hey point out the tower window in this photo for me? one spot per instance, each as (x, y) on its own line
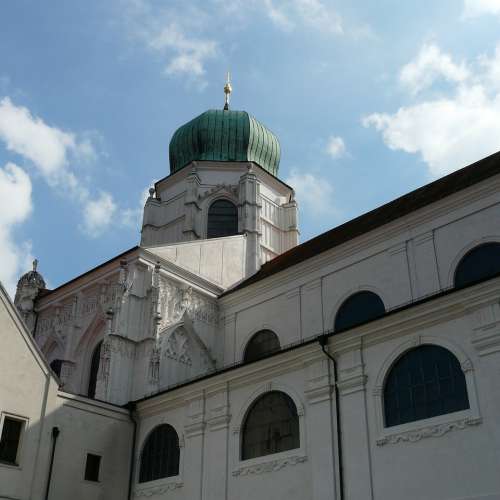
(357, 309)
(94, 370)
(480, 263)
(425, 382)
(92, 467)
(222, 219)
(271, 426)
(9, 441)
(261, 344)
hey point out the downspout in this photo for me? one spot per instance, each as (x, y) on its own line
(55, 434)
(323, 341)
(131, 407)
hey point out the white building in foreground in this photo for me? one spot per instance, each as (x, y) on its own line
(220, 360)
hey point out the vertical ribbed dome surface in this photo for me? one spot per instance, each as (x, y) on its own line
(224, 135)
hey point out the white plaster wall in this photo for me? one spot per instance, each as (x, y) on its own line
(90, 427)
(435, 458)
(25, 383)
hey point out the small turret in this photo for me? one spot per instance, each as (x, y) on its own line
(28, 288)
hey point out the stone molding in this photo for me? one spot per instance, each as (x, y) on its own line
(437, 430)
(158, 490)
(271, 466)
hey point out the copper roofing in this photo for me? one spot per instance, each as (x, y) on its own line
(224, 135)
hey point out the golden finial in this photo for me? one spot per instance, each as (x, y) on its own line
(227, 91)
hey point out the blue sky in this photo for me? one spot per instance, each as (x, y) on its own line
(369, 100)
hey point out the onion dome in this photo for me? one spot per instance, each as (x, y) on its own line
(32, 278)
(224, 135)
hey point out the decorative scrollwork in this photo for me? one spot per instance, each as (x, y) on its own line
(271, 466)
(437, 430)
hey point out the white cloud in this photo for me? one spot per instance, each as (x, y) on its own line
(314, 194)
(15, 208)
(188, 53)
(315, 14)
(98, 214)
(335, 147)
(474, 8)
(430, 65)
(29, 136)
(450, 131)
(51, 152)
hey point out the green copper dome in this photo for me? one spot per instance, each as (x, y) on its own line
(224, 135)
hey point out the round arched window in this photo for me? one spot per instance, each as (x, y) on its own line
(260, 345)
(481, 263)
(271, 426)
(358, 308)
(160, 454)
(222, 219)
(425, 382)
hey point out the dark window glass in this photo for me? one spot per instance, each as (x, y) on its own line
(56, 366)
(94, 370)
(425, 382)
(271, 426)
(160, 455)
(9, 441)
(92, 467)
(222, 219)
(479, 264)
(359, 308)
(261, 344)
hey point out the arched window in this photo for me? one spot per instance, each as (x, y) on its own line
(94, 369)
(222, 219)
(479, 264)
(359, 308)
(271, 426)
(160, 454)
(260, 345)
(425, 382)
(55, 365)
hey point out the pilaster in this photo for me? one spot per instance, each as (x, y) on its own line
(319, 392)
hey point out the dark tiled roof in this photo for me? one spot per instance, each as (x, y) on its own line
(420, 198)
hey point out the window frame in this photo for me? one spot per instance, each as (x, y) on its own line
(348, 296)
(99, 475)
(433, 426)
(298, 455)
(464, 256)
(209, 204)
(251, 337)
(172, 482)
(19, 455)
(90, 358)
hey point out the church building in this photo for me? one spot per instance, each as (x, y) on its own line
(219, 359)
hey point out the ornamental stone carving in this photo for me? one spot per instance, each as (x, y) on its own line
(158, 490)
(271, 466)
(175, 301)
(437, 430)
(177, 347)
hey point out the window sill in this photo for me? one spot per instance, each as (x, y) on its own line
(412, 432)
(270, 463)
(10, 465)
(158, 486)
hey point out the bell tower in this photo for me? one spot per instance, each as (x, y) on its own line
(223, 182)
